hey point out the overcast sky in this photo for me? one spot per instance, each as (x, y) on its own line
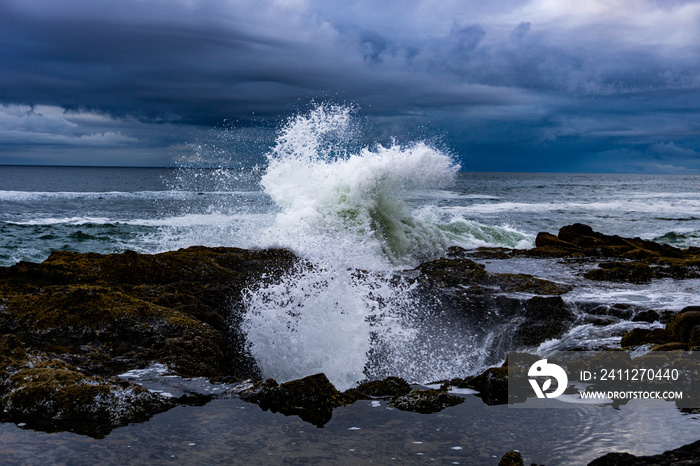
(508, 85)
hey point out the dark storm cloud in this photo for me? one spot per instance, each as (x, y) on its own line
(522, 84)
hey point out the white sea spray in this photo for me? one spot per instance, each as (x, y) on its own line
(345, 210)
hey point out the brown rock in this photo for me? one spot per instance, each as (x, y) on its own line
(512, 458)
(633, 272)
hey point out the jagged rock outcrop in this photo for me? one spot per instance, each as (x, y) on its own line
(682, 331)
(73, 322)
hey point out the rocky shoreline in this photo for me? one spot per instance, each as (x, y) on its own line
(70, 325)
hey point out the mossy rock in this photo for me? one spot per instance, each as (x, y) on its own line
(681, 326)
(13, 354)
(643, 336)
(54, 396)
(632, 272)
(312, 398)
(512, 458)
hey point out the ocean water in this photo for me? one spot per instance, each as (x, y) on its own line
(382, 209)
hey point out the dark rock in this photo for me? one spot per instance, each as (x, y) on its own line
(312, 398)
(391, 387)
(76, 320)
(618, 310)
(675, 346)
(512, 458)
(13, 354)
(130, 309)
(426, 401)
(581, 241)
(643, 336)
(633, 272)
(685, 455)
(54, 396)
(649, 316)
(454, 272)
(523, 283)
(492, 385)
(600, 321)
(681, 327)
(544, 319)
(465, 272)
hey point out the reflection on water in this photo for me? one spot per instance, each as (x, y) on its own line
(232, 431)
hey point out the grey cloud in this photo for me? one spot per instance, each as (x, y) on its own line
(497, 76)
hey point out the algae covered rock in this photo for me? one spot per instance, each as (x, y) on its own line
(682, 331)
(633, 272)
(312, 398)
(54, 396)
(110, 313)
(69, 325)
(461, 272)
(632, 260)
(512, 458)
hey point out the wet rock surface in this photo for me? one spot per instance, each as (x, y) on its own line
(512, 458)
(53, 396)
(426, 401)
(312, 398)
(69, 325)
(682, 332)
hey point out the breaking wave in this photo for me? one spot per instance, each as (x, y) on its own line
(345, 210)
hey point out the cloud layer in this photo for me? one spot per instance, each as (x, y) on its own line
(513, 84)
